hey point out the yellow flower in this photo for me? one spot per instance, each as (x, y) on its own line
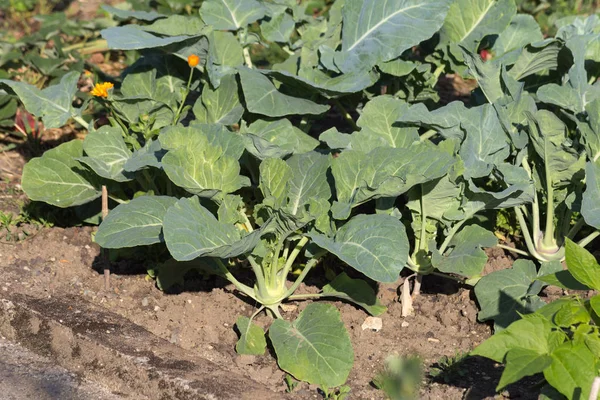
(193, 60)
(101, 89)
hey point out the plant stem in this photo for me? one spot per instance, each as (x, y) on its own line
(576, 228)
(301, 277)
(307, 296)
(459, 280)
(428, 135)
(290, 261)
(105, 258)
(549, 228)
(247, 58)
(521, 252)
(81, 121)
(530, 245)
(260, 276)
(346, 114)
(451, 234)
(535, 207)
(247, 290)
(417, 285)
(587, 240)
(412, 265)
(423, 236)
(247, 222)
(187, 91)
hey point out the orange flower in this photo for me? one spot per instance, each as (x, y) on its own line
(193, 60)
(101, 89)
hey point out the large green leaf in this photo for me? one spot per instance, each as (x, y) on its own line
(225, 54)
(522, 30)
(221, 105)
(127, 14)
(231, 15)
(198, 166)
(275, 175)
(309, 180)
(53, 104)
(375, 31)
(315, 348)
(469, 21)
(375, 245)
(378, 120)
(107, 153)
(572, 371)
(191, 231)
(130, 37)
(503, 294)
(530, 333)
(355, 290)
(590, 207)
(279, 138)
(252, 338)
(536, 58)
(262, 97)
(59, 179)
(176, 25)
(279, 28)
(582, 265)
(466, 256)
(521, 363)
(137, 223)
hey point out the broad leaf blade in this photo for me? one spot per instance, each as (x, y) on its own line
(252, 338)
(356, 291)
(521, 363)
(107, 153)
(375, 245)
(582, 265)
(590, 207)
(315, 348)
(231, 15)
(137, 223)
(59, 179)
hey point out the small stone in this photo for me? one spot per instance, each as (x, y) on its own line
(145, 302)
(404, 324)
(189, 301)
(52, 259)
(373, 323)
(289, 307)
(4, 288)
(433, 340)
(226, 325)
(156, 308)
(107, 331)
(26, 268)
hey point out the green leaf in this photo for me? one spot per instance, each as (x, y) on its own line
(378, 119)
(128, 14)
(176, 25)
(375, 31)
(469, 21)
(582, 265)
(595, 304)
(274, 177)
(57, 177)
(563, 279)
(522, 30)
(466, 257)
(173, 272)
(375, 245)
(276, 139)
(221, 105)
(529, 333)
(198, 166)
(572, 371)
(53, 104)
(225, 54)
(130, 37)
(503, 294)
(231, 15)
(191, 231)
(536, 58)
(356, 291)
(590, 207)
(521, 363)
(252, 338)
(137, 223)
(107, 153)
(309, 180)
(263, 98)
(279, 28)
(315, 348)
(148, 156)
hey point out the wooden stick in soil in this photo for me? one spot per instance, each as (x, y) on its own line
(406, 299)
(104, 253)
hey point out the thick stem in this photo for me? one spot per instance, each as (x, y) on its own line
(247, 290)
(428, 135)
(81, 121)
(247, 58)
(105, 258)
(423, 237)
(517, 251)
(417, 285)
(535, 207)
(346, 114)
(290, 260)
(307, 296)
(459, 280)
(300, 279)
(588, 239)
(576, 228)
(259, 273)
(530, 244)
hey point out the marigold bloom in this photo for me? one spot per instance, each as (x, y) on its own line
(101, 89)
(193, 60)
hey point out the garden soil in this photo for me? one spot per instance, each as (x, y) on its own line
(200, 316)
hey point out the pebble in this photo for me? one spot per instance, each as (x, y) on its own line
(404, 324)
(289, 307)
(373, 323)
(156, 308)
(52, 259)
(145, 302)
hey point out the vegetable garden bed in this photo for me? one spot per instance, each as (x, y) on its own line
(257, 156)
